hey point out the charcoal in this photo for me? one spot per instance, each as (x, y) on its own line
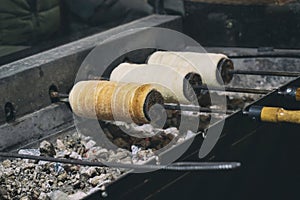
(47, 149)
(62, 177)
(89, 172)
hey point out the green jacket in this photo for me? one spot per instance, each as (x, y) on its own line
(25, 22)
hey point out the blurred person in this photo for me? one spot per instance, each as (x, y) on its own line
(27, 23)
(84, 13)
(103, 12)
(24, 22)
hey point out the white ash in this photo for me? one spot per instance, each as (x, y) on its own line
(90, 144)
(188, 135)
(33, 152)
(145, 130)
(140, 156)
(174, 131)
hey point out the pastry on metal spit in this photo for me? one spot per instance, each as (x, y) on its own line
(213, 68)
(107, 100)
(174, 83)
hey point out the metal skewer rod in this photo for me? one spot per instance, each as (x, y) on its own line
(180, 166)
(232, 89)
(265, 73)
(225, 88)
(192, 108)
(54, 94)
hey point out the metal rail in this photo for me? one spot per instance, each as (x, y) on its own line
(198, 89)
(193, 108)
(64, 98)
(265, 73)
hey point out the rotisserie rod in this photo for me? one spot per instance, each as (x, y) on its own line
(260, 113)
(292, 92)
(168, 106)
(264, 73)
(180, 166)
(198, 89)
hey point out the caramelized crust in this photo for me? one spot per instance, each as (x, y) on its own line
(107, 100)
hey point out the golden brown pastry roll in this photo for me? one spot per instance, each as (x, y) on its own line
(210, 66)
(107, 100)
(174, 83)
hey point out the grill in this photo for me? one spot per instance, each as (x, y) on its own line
(268, 151)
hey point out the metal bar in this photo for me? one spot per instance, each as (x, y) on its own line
(265, 73)
(196, 109)
(54, 94)
(182, 166)
(198, 89)
(193, 108)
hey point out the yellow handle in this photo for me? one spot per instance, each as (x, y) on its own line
(274, 114)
